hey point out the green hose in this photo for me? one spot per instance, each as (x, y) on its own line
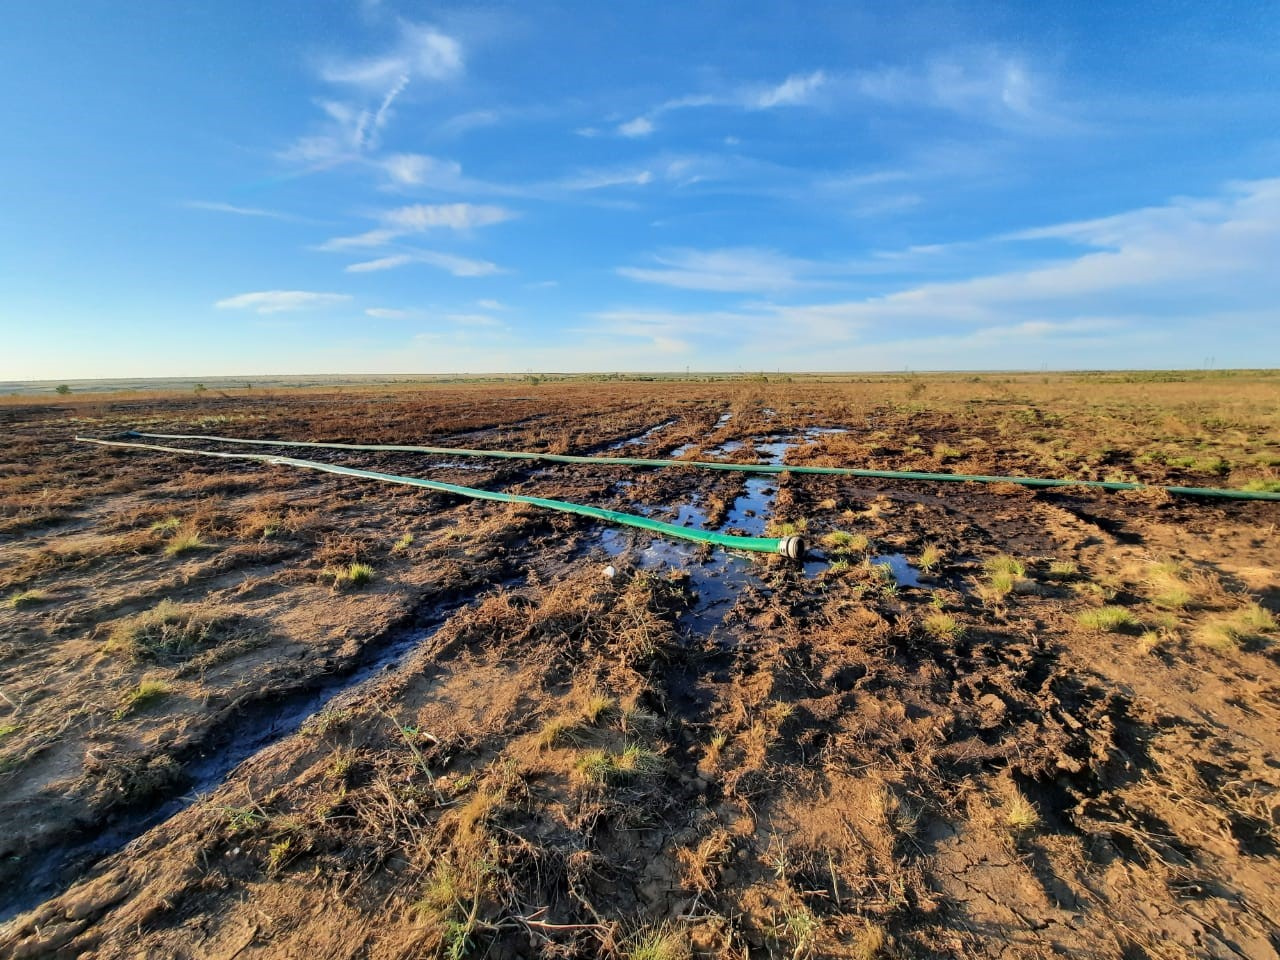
(738, 467)
(792, 547)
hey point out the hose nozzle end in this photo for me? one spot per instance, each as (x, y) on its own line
(793, 548)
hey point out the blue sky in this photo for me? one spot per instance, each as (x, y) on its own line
(363, 187)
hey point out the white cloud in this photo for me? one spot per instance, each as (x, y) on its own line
(239, 211)
(416, 169)
(453, 216)
(639, 127)
(281, 301)
(382, 263)
(420, 51)
(371, 86)
(388, 313)
(458, 266)
(739, 270)
(419, 218)
(603, 178)
(796, 89)
(368, 239)
(985, 85)
(490, 305)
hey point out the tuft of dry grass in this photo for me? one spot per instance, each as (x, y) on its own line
(1110, 619)
(1250, 624)
(183, 543)
(929, 558)
(1020, 814)
(661, 943)
(942, 626)
(145, 694)
(166, 630)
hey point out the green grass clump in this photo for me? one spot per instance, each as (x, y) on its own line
(404, 543)
(1108, 619)
(1005, 565)
(556, 732)
(183, 543)
(945, 453)
(1250, 624)
(1063, 570)
(788, 528)
(355, 575)
(9, 729)
(1173, 598)
(25, 599)
(1262, 486)
(841, 543)
(660, 944)
(146, 693)
(166, 630)
(635, 762)
(943, 626)
(1003, 573)
(929, 558)
(167, 525)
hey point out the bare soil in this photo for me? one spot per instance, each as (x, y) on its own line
(989, 721)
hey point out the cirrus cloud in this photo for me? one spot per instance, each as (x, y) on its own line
(281, 301)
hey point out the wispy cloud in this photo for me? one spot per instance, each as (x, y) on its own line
(596, 180)
(986, 85)
(216, 207)
(1131, 271)
(382, 263)
(388, 313)
(639, 127)
(420, 218)
(453, 216)
(281, 301)
(369, 87)
(795, 90)
(420, 50)
(458, 266)
(735, 270)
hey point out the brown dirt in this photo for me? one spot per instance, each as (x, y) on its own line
(556, 763)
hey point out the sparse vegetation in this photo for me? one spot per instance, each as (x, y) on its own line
(167, 630)
(353, 575)
(183, 543)
(929, 558)
(1020, 814)
(1250, 624)
(942, 626)
(1110, 619)
(664, 943)
(842, 544)
(26, 598)
(145, 694)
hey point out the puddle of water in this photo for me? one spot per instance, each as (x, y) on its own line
(905, 574)
(681, 450)
(641, 438)
(724, 418)
(715, 582)
(769, 412)
(750, 511)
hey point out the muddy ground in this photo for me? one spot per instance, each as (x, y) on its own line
(251, 711)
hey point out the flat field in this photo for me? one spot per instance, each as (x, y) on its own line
(253, 711)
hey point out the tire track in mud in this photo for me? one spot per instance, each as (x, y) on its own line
(240, 730)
